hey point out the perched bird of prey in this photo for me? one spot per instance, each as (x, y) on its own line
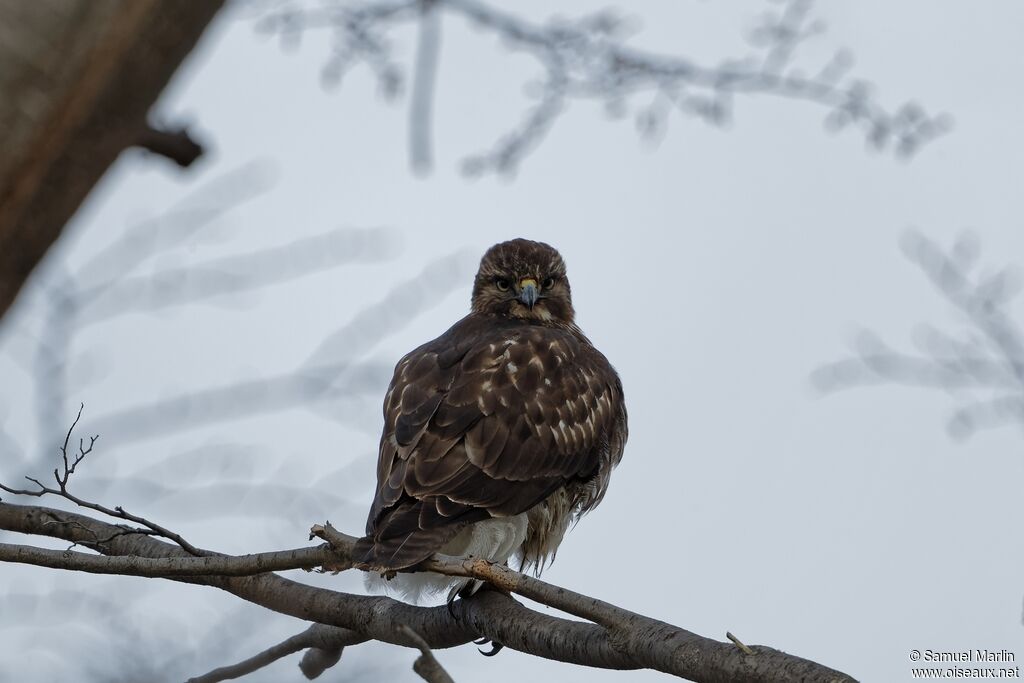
(499, 433)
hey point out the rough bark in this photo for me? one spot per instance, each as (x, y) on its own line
(78, 78)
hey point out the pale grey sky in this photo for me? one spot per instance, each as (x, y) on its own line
(715, 270)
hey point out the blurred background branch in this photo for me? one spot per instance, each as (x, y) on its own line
(980, 365)
(428, 49)
(588, 59)
(66, 115)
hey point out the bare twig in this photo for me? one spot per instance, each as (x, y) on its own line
(739, 643)
(117, 512)
(426, 665)
(62, 479)
(63, 492)
(341, 542)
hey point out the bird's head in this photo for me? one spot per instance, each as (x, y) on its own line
(523, 279)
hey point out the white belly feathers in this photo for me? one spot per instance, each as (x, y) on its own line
(495, 539)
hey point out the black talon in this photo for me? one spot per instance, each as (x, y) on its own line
(495, 649)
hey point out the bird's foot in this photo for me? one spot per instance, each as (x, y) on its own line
(496, 647)
(465, 593)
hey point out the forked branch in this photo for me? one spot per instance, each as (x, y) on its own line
(588, 58)
(63, 476)
(618, 640)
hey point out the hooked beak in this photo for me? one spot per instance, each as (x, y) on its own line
(528, 291)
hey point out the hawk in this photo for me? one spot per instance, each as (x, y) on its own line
(498, 434)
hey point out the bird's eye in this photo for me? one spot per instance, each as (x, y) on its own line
(502, 284)
(548, 283)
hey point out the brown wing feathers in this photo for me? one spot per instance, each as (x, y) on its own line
(487, 420)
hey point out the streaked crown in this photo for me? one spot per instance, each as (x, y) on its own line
(523, 279)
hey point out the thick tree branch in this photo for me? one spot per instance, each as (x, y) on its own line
(168, 567)
(632, 642)
(114, 59)
(317, 638)
(426, 665)
(320, 659)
